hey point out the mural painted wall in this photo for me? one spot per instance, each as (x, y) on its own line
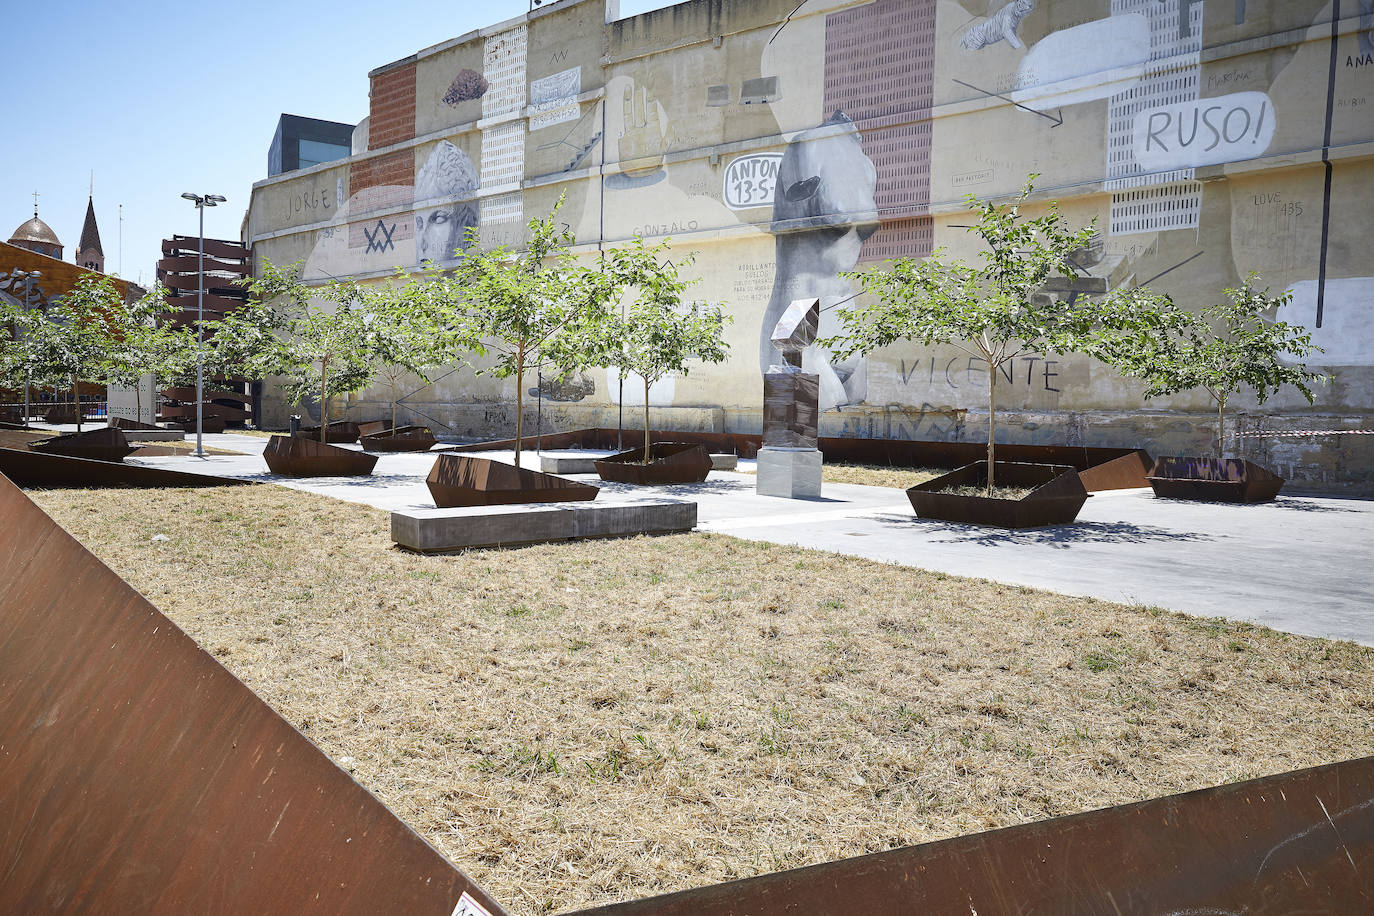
(783, 143)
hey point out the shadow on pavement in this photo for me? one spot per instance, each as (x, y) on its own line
(1060, 536)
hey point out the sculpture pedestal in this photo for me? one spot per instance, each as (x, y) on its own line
(792, 473)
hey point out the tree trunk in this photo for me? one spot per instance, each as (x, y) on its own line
(992, 420)
(393, 411)
(519, 401)
(647, 453)
(1221, 428)
(76, 401)
(324, 402)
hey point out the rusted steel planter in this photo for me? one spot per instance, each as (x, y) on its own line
(372, 427)
(104, 444)
(672, 462)
(1229, 480)
(295, 456)
(341, 431)
(400, 439)
(61, 413)
(208, 423)
(1056, 500)
(127, 424)
(457, 480)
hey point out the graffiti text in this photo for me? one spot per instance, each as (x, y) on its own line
(1034, 372)
(749, 181)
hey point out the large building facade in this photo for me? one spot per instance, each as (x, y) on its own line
(783, 144)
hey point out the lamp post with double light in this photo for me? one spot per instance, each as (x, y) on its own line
(201, 201)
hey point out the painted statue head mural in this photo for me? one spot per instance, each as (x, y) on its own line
(441, 232)
(823, 210)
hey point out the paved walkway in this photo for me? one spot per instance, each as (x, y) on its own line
(1300, 564)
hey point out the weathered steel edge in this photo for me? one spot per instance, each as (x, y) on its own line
(1301, 841)
(137, 774)
(36, 469)
(1119, 467)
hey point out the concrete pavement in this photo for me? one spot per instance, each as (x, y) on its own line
(1300, 564)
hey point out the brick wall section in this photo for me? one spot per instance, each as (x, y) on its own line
(393, 107)
(396, 168)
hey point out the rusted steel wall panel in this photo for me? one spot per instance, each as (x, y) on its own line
(35, 469)
(1299, 842)
(137, 775)
(189, 245)
(1127, 470)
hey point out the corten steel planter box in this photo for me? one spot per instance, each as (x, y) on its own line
(672, 462)
(104, 444)
(62, 413)
(400, 439)
(1056, 500)
(127, 424)
(457, 480)
(372, 428)
(340, 431)
(1229, 480)
(294, 456)
(208, 423)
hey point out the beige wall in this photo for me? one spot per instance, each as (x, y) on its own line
(876, 119)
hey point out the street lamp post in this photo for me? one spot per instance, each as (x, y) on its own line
(201, 201)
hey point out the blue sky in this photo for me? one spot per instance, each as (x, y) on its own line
(160, 97)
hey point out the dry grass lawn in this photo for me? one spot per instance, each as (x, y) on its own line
(581, 723)
(875, 475)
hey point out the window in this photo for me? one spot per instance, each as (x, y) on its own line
(313, 152)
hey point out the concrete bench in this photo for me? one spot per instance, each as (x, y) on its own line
(435, 530)
(568, 464)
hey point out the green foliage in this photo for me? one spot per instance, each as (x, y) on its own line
(994, 310)
(141, 340)
(416, 329)
(530, 306)
(657, 333)
(327, 340)
(70, 341)
(1223, 349)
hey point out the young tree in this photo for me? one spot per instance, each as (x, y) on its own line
(31, 349)
(141, 340)
(414, 329)
(658, 333)
(527, 304)
(989, 310)
(69, 341)
(326, 348)
(1222, 349)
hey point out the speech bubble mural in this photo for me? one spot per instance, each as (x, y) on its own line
(1204, 132)
(1095, 60)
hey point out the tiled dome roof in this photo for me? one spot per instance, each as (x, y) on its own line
(35, 230)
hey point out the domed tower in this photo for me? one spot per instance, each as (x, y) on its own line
(36, 235)
(89, 254)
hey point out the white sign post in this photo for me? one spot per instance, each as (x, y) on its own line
(130, 404)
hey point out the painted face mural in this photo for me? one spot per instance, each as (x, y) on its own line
(441, 232)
